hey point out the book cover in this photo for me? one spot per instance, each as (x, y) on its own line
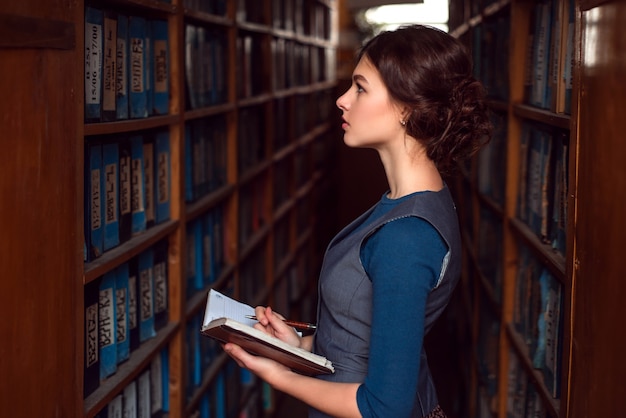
(145, 267)
(109, 65)
(160, 72)
(162, 176)
(133, 303)
(551, 295)
(558, 229)
(110, 162)
(143, 394)
(107, 325)
(125, 190)
(161, 316)
(138, 98)
(225, 320)
(148, 176)
(191, 84)
(94, 44)
(138, 193)
(122, 308)
(91, 374)
(121, 69)
(94, 213)
(114, 408)
(129, 403)
(156, 387)
(149, 55)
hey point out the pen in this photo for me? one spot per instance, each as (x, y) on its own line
(295, 324)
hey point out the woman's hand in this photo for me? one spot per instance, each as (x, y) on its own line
(266, 369)
(272, 323)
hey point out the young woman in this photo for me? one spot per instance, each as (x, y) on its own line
(388, 275)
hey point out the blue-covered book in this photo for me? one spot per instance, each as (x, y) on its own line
(160, 65)
(162, 176)
(138, 98)
(94, 214)
(110, 162)
(161, 316)
(138, 193)
(107, 325)
(121, 300)
(125, 190)
(145, 268)
(149, 183)
(91, 373)
(94, 22)
(121, 68)
(108, 67)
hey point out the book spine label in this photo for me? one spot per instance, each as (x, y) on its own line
(138, 97)
(121, 299)
(92, 356)
(125, 191)
(109, 67)
(138, 194)
(107, 325)
(130, 400)
(96, 208)
(143, 395)
(148, 175)
(121, 69)
(94, 21)
(163, 176)
(110, 160)
(156, 388)
(160, 285)
(160, 67)
(146, 295)
(133, 304)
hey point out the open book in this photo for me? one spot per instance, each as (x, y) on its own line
(225, 320)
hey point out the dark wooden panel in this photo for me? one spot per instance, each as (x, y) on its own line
(599, 343)
(40, 243)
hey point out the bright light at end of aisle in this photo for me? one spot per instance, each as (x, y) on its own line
(430, 12)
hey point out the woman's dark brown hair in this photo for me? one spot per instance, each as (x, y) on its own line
(430, 73)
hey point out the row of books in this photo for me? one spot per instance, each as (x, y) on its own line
(492, 159)
(523, 399)
(127, 188)
(489, 248)
(147, 396)
(252, 212)
(549, 60)
(205, 250)
(304, 17)
(127, 72)
(215, 7)
(542, 197)
(490, 52)
(206, 68)
(205, 156)
(124, 308)
(299, 64)
(537, 317)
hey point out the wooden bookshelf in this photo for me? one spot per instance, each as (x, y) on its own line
(279, 110)
(510, 380)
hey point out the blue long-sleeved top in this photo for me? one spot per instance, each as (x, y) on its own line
(403, 260)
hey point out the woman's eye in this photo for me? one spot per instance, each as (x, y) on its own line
(359, 89)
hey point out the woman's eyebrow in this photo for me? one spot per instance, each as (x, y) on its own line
(359, 77)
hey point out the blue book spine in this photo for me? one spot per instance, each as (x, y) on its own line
(91, 376)
(149, 183)
(146, 295)
(109, 65)
(138, 194)
(163, 176)
(94, 44)
(107, 325)
(138, 99)
(205, 406)
(95, 242)
(198, 242)
(161, 316)
(189, 195)
(133, 303)
(165, 379)
(207, 246)
(220, 395)
(161, 91)
(125, 190)
(149, 66)
(110, 162)
(121, 69)
(121, 297)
